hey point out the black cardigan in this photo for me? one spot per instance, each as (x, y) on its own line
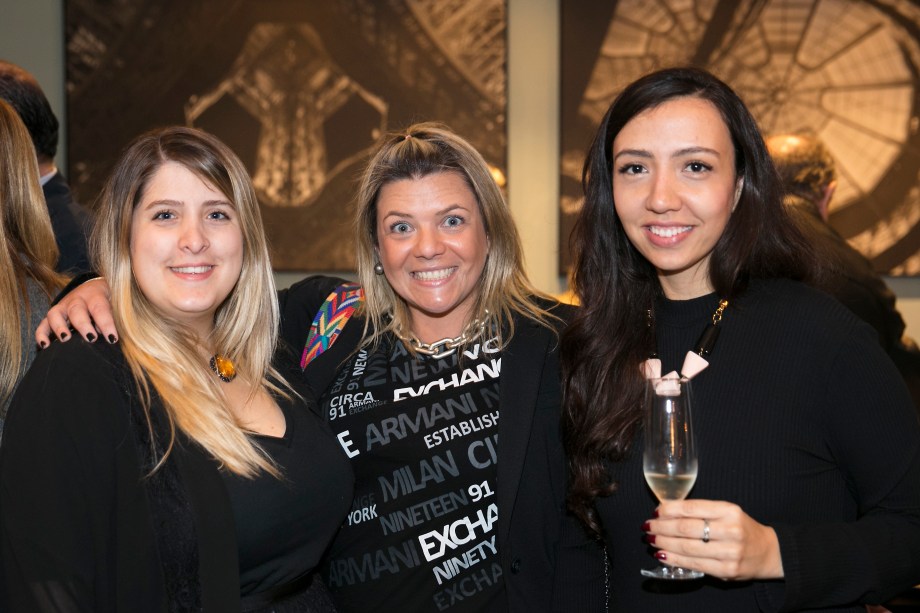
(83, 539)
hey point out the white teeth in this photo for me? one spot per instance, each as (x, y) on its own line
(434, 275)
(668, 232)
(192, 270)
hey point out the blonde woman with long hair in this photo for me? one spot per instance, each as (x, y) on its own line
(28, 253)
(177, 469)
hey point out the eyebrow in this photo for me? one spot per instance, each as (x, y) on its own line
(443, 211)
(171, 202)
(642, 153)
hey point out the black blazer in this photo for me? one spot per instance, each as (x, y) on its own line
(531, 477)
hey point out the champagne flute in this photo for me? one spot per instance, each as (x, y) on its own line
(669, 460)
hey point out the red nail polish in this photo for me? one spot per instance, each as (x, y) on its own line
(661, 555)
(650, 539)
(655, 513)
(646, 527)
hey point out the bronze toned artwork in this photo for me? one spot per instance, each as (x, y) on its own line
(300, 89)
(846, 70)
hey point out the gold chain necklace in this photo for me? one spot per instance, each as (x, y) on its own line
(446, 346)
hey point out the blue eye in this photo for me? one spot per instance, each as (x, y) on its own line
(453, 221)
(400, 227)
(218, 215)
(164, 215)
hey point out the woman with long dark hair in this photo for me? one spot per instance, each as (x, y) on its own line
(808, 494)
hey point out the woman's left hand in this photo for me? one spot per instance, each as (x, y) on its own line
(714, 537)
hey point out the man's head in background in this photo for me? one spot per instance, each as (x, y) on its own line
(806, 168)
(22, 91)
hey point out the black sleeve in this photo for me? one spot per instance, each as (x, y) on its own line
(873, 431)
(57, 482)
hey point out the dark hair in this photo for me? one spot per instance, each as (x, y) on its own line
(615, 284)
(20, 89)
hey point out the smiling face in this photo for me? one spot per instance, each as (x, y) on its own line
(674, 188)
(432, 243)
(186, 246)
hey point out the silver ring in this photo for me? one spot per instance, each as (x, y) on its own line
(705, 530)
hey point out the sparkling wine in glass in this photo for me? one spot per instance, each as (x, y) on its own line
(669, 460)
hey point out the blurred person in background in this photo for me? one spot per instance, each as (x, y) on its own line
(809, 176)
(28, 254)
(70, 221)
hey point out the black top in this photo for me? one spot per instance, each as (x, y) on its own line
(850, 278)
(283, 526)
(802, 420)
(83, 529)
(530, 471)
(422, 434)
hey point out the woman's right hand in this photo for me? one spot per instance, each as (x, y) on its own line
(86, 308)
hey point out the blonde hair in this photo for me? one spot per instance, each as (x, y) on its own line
(421, 150)
(163, 353)
(27, 247)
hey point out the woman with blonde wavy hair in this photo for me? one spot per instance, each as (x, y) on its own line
(28, 253)
(178, 469)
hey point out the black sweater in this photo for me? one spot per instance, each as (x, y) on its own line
(802, 420)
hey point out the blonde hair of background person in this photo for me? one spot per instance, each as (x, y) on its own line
(504, 289)
(27, 247)
(166, 354)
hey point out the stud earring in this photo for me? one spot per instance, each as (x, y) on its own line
(378, 268)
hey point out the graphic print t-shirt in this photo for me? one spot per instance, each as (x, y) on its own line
(422, 436)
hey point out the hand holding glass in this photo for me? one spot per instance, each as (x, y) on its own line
(669, 460)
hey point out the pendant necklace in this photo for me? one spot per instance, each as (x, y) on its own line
(695, 361)
(223, 368)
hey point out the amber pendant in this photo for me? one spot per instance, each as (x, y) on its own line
(223, 367)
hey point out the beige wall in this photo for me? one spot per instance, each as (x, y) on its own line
(31, 34)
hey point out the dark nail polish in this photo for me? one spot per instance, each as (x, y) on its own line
(112, 340)
(655, 514)
(42, 344)
(91, 337)
(646, 527)
(650, 539)
(64, 336)
(661, 555)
